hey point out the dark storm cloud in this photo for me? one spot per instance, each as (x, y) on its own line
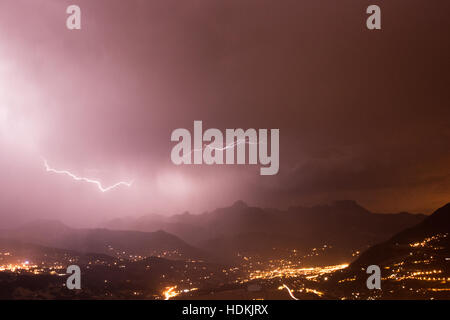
(362, 115)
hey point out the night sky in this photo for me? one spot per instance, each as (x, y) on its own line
(363, 115)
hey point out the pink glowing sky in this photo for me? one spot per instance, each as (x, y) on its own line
(362, 115)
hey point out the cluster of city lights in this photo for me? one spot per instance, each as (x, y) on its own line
(292, 272)
(26, 266)
(427, 241)
(170, 292)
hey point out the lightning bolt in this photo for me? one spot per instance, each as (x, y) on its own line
(290, 292)
(229, 146)
(84, 179)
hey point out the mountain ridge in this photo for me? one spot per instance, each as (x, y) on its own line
(52, 233)
(343, 224)
(438, 222)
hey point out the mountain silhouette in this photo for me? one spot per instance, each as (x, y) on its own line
(227, 231)
(21, 251)
(400, 244)
(102, 241)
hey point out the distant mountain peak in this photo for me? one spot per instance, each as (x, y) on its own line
(440, 218)
(46, 224)
(239, 205)
(346, 203)
(349, 204)
(443, 210)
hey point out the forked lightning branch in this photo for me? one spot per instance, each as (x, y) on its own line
(210, 148)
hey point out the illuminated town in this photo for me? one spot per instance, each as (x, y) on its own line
(417, 276)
